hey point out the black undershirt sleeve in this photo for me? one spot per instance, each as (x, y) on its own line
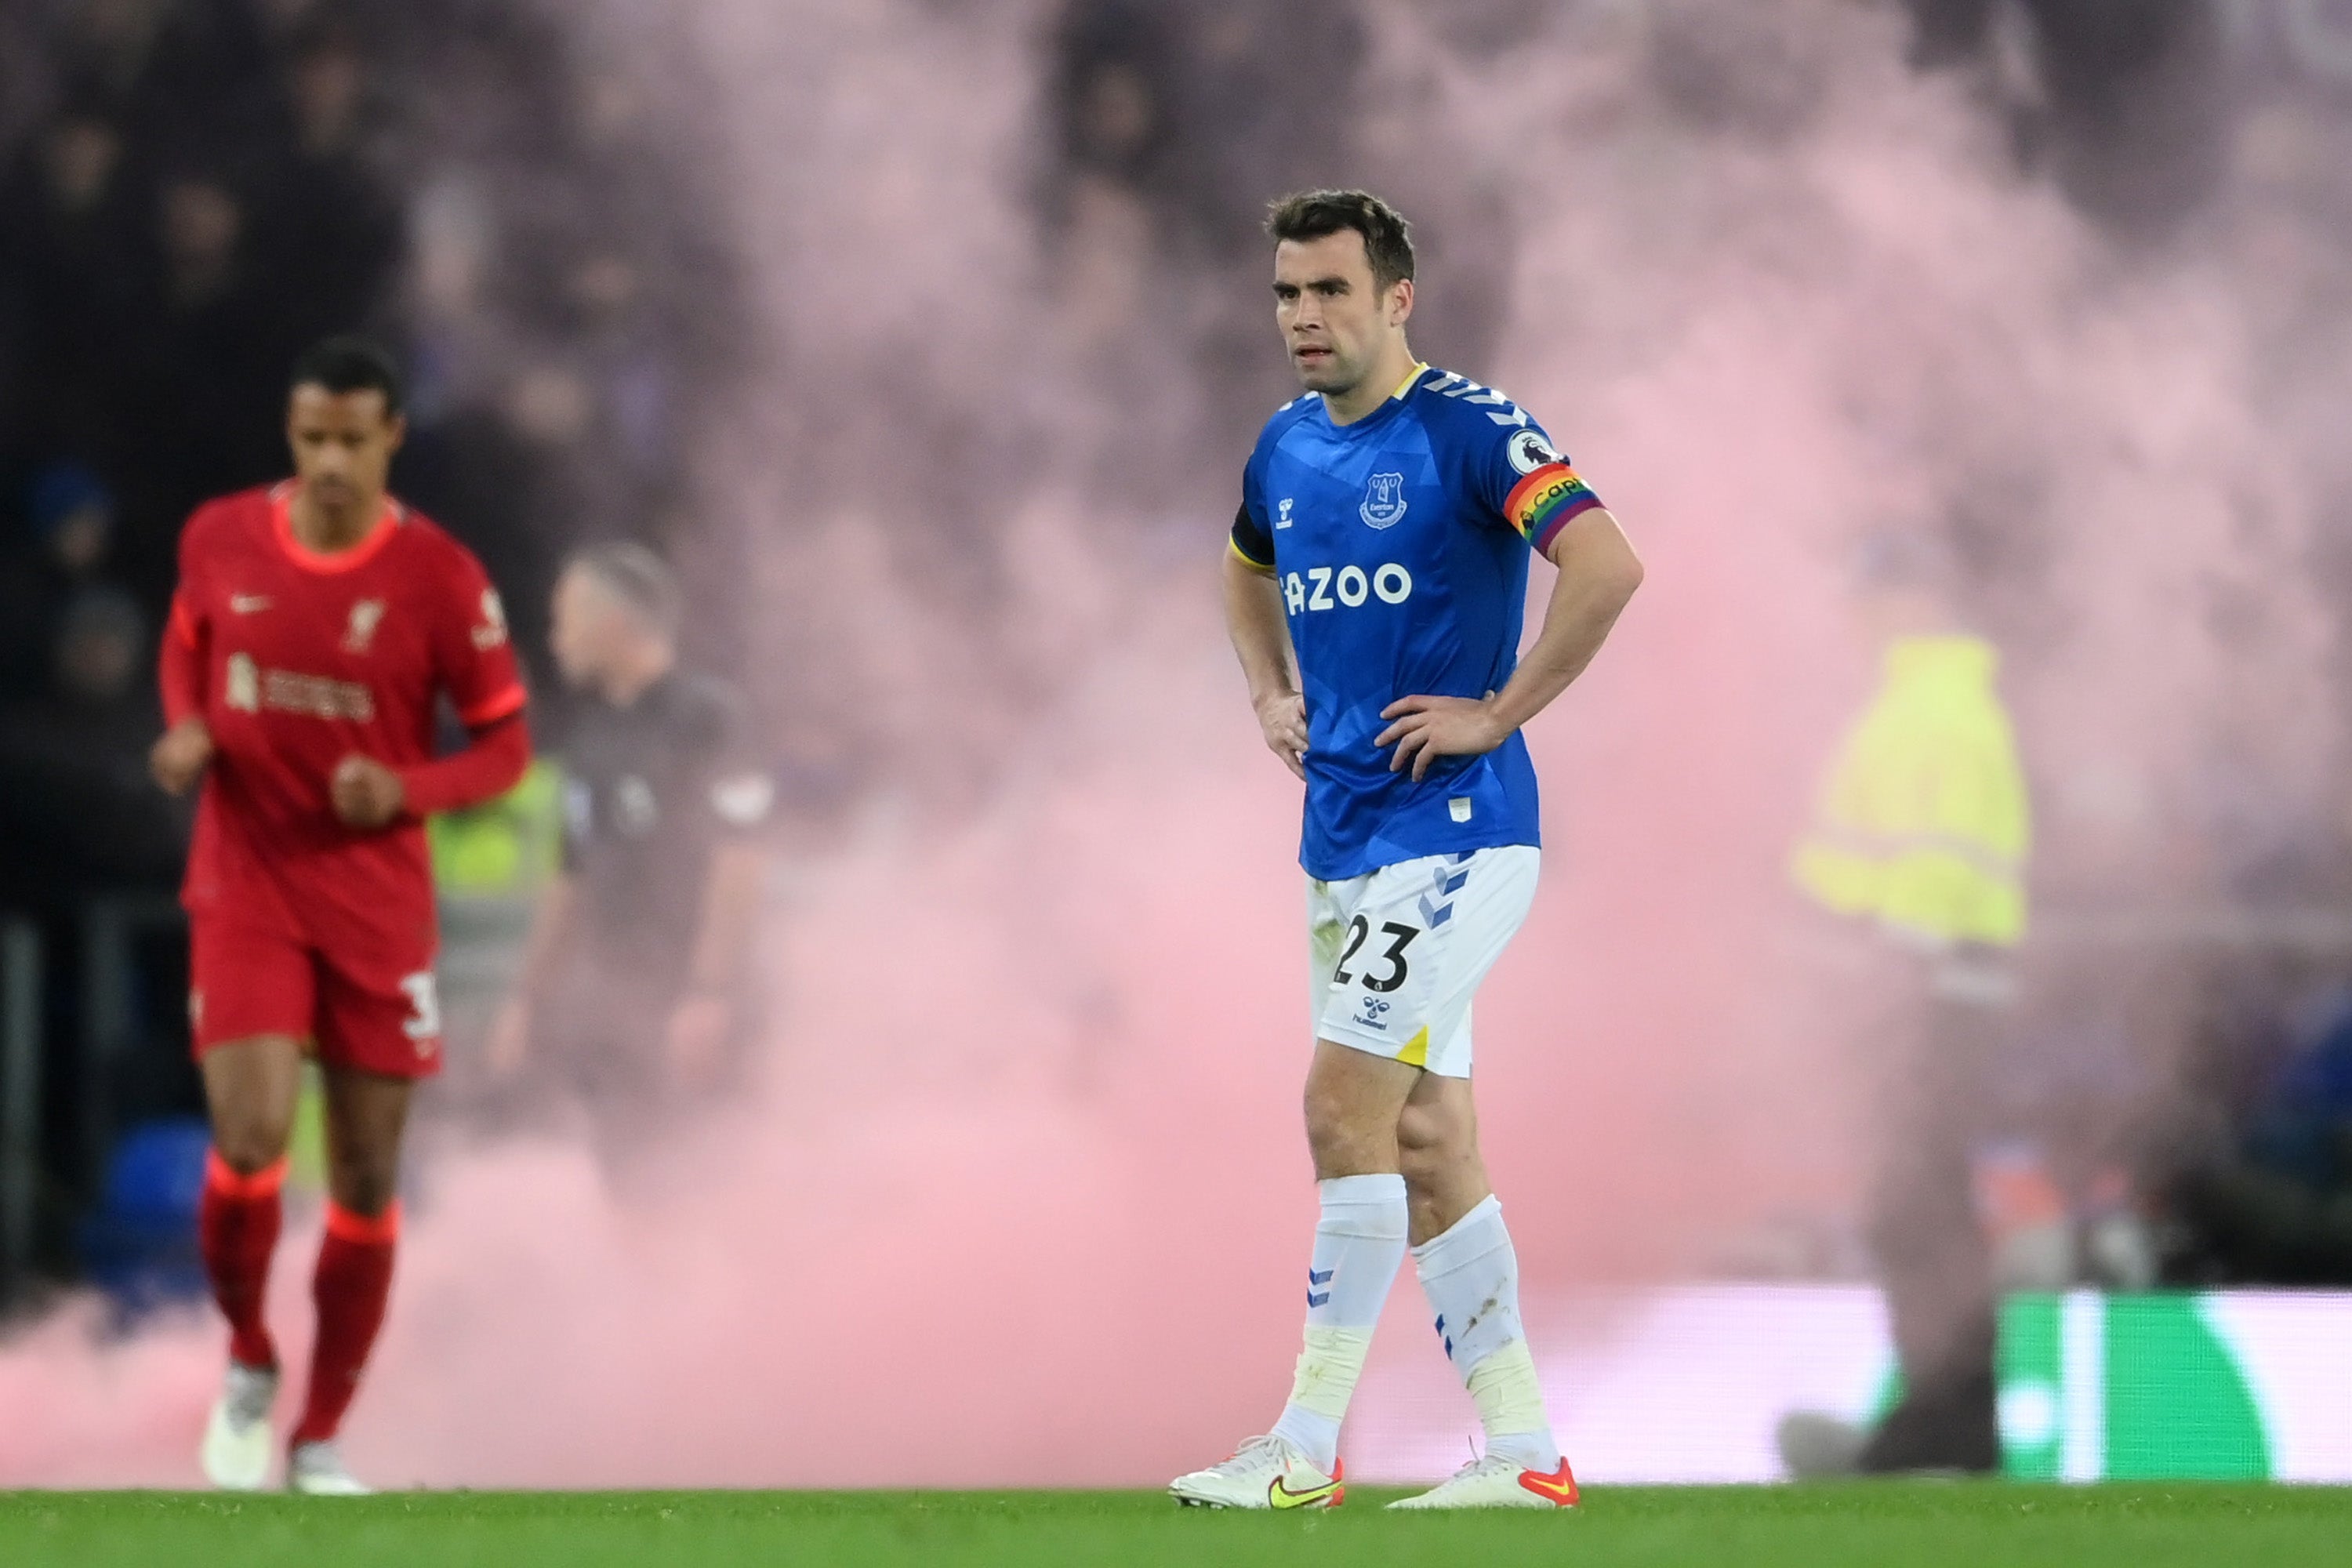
(1250, 542)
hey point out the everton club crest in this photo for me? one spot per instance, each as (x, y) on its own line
(1383, 501)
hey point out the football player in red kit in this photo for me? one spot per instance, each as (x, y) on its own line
(316, 625)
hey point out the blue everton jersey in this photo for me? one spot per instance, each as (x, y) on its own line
(1400, 544)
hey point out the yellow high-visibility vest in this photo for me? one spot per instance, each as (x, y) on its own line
(1924, 825)
(507, 847)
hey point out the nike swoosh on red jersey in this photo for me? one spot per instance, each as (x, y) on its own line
(248, 604)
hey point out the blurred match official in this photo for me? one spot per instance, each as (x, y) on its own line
(633, 994)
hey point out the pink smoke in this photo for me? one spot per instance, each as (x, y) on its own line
(1022, 1198)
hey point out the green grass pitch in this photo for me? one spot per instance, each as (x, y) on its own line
(2011, 1525)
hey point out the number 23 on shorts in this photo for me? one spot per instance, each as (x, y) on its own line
(1396, 935)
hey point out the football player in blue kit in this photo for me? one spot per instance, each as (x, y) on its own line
(1374, 589)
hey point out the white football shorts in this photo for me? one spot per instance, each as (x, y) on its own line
(1398, 953)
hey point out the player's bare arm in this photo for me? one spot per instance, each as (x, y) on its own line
(372, 796)
(1598, 575)
(184, 750)
(180, 755)
(1261, 635)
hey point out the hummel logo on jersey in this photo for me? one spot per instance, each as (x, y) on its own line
(366, 615)
(1383, 504)
(1324, 589)
(1282, 514)
(248, 604)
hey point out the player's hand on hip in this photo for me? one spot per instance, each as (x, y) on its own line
(1283, 717)
(366, 793)
(1424, 729)
(182, 754)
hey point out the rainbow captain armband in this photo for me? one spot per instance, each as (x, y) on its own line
(1540, 505)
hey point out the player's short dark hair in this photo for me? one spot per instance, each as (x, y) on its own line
(348, 363)
(638, 578)
(1314, 214)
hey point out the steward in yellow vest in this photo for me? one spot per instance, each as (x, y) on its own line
(1923, 826)
(1921, 833)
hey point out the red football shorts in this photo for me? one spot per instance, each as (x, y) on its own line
(247, 979)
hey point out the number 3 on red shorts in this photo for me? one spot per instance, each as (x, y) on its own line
(423, 1022)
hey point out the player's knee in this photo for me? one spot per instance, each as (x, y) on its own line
(248, 1146)
(250, 1138)
(364, 1180)
(1434, 1136)
(1340, 1136)
(1428, 1155)
(1436, 1146)
(1326, 1124)
(365, 1187)
(1423, 1163)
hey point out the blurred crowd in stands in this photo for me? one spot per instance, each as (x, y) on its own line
(191, 191)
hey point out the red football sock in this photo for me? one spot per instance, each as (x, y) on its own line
(237, 1229)
(354, 1281)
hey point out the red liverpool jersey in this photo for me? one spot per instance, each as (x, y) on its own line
(306, 659)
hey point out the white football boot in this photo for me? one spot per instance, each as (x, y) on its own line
(238, 1440)
(1494, 1481)
(1264, 1472)
(316, 1470)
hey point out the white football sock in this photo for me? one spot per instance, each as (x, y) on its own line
(1471, 1275)
(1359, 1243)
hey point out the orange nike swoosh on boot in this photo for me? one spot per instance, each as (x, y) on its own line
(1559, 1487)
